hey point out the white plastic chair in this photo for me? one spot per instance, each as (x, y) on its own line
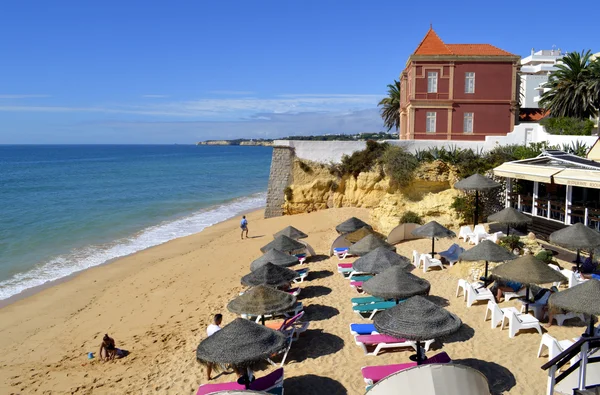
(510, 295)
(516, 322)
(462, 284)
(416, 259)
(430, 262)
(495, 237)
(478, 235)
(464, 232)
(475, 294)
(554, 346)
(498, 313)
(561, 318)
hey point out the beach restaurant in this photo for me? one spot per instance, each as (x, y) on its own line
(556, 188)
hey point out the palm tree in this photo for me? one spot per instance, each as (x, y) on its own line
(570, 93)
(594, 84)
(390, 107)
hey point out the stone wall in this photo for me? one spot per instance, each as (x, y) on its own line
(280, 177)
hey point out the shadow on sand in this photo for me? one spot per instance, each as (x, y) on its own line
(314, 291)
(438, 300)
(317, 258)
(315, 275)
(464, 333)
(319, 312)
(500, 379)
(315, 343)
(312, 384)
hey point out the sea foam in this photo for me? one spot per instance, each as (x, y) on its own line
(94, 255)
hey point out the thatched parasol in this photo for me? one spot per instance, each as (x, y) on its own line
(487, 251)
(582, 298)
(350, 225)
(381, 259)
(476, 183)
(577, 236)
(275, 257)
(292, 233)
(240, 343)
(262, 300)
(359, 234)
(528, 270)
(283, 244)
(510, 216)
(435, 231)
(270, 275)
(417, 319)
(368, 244)
(396, 283)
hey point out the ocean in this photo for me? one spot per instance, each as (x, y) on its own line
(65, 208)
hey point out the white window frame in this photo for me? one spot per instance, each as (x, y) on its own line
(470, 82)
(430, 122)
(468, 120)
(432, 82)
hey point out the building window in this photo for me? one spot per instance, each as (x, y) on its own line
(470, 82)
(468, 123)
(430, 126)
(432, 77)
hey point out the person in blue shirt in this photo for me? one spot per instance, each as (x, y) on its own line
(244, 226)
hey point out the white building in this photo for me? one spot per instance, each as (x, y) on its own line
(535, 70)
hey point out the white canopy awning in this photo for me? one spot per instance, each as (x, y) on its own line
(578, 178)
(527, 172)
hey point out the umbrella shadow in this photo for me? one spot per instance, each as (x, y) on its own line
(314, 343)
(319, 312)
(499, 378)
(462, 335)
(438, 300)
(317, 258)
(316, 275)
(313, 384)
(314, 291)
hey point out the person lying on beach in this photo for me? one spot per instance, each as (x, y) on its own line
(500, 287)
(108, 346)
(211, 330)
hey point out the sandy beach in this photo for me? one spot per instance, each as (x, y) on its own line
(158, 302)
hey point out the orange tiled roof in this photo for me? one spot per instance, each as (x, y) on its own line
(532, 114)
(432, 44)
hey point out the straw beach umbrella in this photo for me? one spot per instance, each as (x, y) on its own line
(381, 259)
(510, 216)
(292, 233)
(528, 270)
(283, 244)
(396, 283)
(477, 183)
(241, 344)
(275, 257)
(417, 319)
(357, 235)
(487, 251)
(368, 244)
(582, 298)
(350, 225)
(577, 236)
(262, 300)
(435, 231)
(270, 275)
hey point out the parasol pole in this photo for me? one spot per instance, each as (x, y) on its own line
(262, 319)
(432, 246)
(508, 229)
(485, 279)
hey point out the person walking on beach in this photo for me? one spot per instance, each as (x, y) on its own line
(244, 226)
(211, 330)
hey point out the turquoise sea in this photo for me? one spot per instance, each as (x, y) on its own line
(67, 208)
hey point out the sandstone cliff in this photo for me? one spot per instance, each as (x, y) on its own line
(429, 195)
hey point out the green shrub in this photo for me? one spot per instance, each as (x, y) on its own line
(463, 205)
(289, 194)
(511, 242)
(568, 126)
(361, 161)
(576, 148)
(399, 165)
(410, 217)
(545, 256)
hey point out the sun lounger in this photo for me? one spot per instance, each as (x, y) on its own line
(301, 258)
(292, 312)
(516, 322)
(511, 295)
(429, 262)
(363, 329)
(302, 274)
(290, 326)
(341, 252)
(373, 374)
(356, 284)
(477, 235)
(475, 294)
(354, 274)
(366, 300)
(498, 313)
(381, 342)
(464, 232)
(372, 308)
(452, 253)
(344, 265)
(361, 278)
(294, 291)
(272, 381)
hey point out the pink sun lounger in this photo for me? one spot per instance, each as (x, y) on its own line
(373, 374)
(265, 383)
(380, 342)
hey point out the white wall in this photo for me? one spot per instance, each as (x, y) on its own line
(322, 151)
(529, 83)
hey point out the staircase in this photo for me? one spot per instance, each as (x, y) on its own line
(543, 227)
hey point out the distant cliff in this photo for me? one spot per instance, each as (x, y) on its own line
(260, 142)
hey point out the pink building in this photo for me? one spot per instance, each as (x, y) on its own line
(457, 91)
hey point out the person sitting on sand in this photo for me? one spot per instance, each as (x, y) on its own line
(211, 330)
(244, 226)
(108, 346)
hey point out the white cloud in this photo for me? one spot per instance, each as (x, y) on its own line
(8, 96)
(231, 92)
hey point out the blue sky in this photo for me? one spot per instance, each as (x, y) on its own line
(183, 71)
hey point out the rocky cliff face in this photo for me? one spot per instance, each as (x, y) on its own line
(429, 195)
